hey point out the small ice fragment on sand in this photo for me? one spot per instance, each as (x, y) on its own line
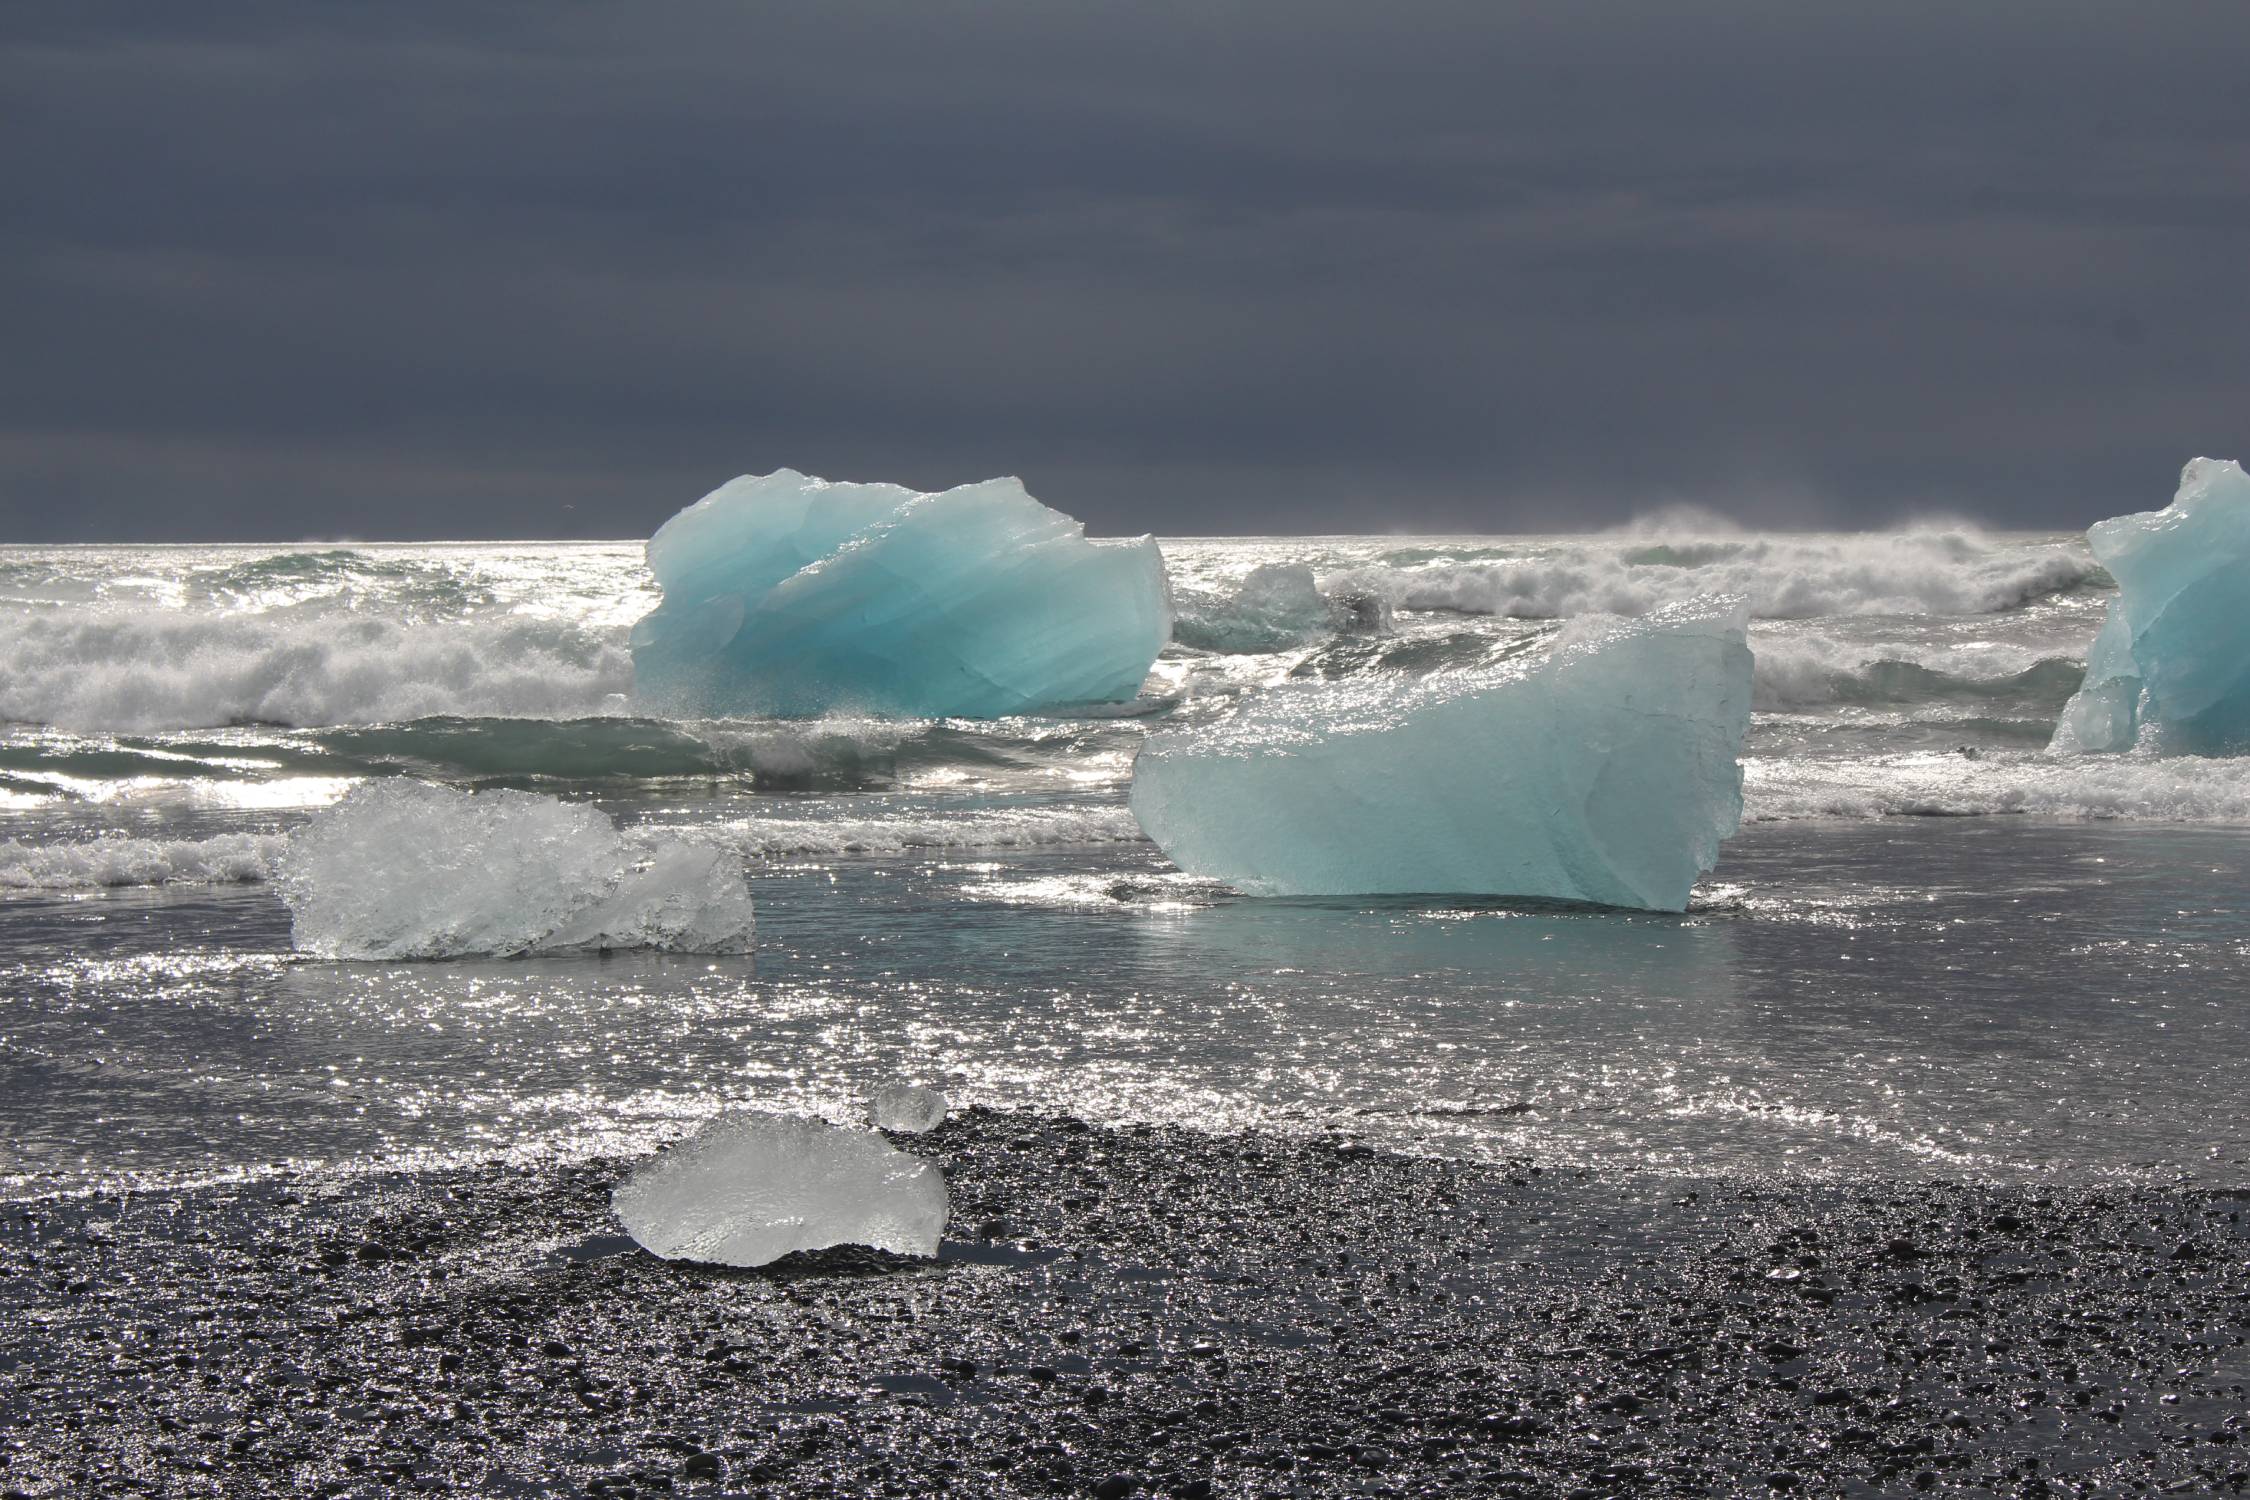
(907, 1108)
(2170, 668)
(747, 1189)
(793, 596)
(401, 869)
(1604, 769)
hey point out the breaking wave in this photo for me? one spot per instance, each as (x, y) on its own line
(1785, 578)
(110, 863)
(1798, 676)
(845, 754)
(170, 669)
(336, 575)
(2185, 789)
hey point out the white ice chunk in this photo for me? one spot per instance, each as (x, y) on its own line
(1603, 769)
(792, 596)
(907, 1108)
(2170, 668)
(749, 1188)
(402, 869)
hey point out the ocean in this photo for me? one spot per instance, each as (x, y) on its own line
(1932, 952)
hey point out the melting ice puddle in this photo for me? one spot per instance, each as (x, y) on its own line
(914, 1384)
(593, 1247)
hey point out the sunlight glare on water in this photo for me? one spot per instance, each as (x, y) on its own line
(970, 905)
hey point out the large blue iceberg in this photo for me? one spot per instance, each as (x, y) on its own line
(2170, 667)
(792, 596)
(1603, 769)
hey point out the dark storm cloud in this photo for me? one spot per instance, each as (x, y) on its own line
(424, 269)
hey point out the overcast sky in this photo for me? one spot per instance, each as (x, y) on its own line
(448, 268)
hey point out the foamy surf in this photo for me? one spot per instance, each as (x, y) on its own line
(148, 670)
(1940, 784)
(112, 863)
(1951, 572)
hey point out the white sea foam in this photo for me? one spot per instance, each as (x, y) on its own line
(172, 669)
(108, 863)
(2185, 789)
(1784, 578)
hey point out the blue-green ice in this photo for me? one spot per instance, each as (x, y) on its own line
(2170, 669)
(791, 596)
(1602, 768)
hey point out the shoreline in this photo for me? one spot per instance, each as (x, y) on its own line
(1143, 1310)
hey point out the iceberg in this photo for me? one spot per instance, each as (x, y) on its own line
(402, 869)
(907, 1109)
(1603, 769)
(2170, 667)
(748, 1189)
(792, 597)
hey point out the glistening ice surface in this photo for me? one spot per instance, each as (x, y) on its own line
(796, 596)
(747, 1189)
(1599, 766)
(403, 869)
(2047, 983)
(2170, 668)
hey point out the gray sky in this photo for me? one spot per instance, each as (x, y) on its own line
(449, 268)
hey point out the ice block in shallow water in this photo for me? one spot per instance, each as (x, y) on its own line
(747, 1189)
(792, 596)
(1603, 769)
(2170, 667)
(401, 869)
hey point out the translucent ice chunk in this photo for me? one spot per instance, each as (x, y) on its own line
(2170, 668)
(1275, 607)
(907, 1109)
(747, 1189)
(2104, 714)
(401, 869)
(793, 596)
(1603, 769)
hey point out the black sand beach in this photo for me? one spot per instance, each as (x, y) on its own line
(1144, 1311)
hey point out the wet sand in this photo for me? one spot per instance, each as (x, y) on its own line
(1141, 1311)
